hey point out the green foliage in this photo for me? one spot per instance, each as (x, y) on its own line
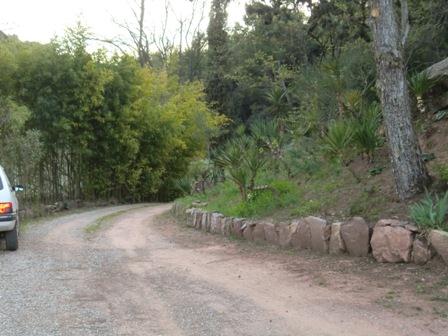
(442, 172)
(307, 208)
(431, 212)
(242, 161)
(97, 127)
(277, 195)
(420, 83)
(338, 140)
(366, 131)
(21, 149)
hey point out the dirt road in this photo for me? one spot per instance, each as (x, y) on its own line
(133, 274)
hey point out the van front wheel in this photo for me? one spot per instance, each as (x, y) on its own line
(12, 239)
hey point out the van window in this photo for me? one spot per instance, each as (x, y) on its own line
(1, 184)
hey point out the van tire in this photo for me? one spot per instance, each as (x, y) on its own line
(12, 239)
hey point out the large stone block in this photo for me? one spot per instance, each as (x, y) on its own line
(226, 225)
(248, 229)
(190, 217)
(356, 236)
(421, 251)
(392, 242)
(336, 245)
(258, 233)
(439, 241)
(205, 222)
(271, 233)
(285, 233)
(216, 223)
(301, 236)
(320, 233)
(198, 218)
(237, 228)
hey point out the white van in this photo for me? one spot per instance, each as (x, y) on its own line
(9, 212)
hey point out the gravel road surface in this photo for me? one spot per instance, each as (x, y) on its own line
(132, 276)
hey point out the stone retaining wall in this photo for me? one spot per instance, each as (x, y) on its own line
(389, 240)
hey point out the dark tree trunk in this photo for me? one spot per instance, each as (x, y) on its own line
(409, 169)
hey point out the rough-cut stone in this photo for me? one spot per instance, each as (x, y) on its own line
(248, 229)
(301, 237)
(271, 233)
(392, 242)
(258, 233)
(356, 234)
(390, 222)
(198, 219)
(226, 225)
(439, 240)
(190, 217)
(320, 234)
(285, 233)
(421, 252)
(205, 222)
(237, 227)
(337, 245)
(215, 223)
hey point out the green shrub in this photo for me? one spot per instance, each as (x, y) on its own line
(431, 212)
(442, 172)
(420, 83)
(242, 161)
(338, 143)
(366, 131)
(338, 140)
(261, 202)
(307, 208)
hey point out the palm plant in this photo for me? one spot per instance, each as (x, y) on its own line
(338, 143)
(272, 139)
(242, 161)
(420, 84)
(431, 213)
(277, 101)
(338, 139)
(366, 131)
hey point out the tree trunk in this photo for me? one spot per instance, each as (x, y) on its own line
(409, 169)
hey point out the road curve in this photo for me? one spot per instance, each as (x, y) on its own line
(134, 278)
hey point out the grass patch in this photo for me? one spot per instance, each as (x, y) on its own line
(328, 191)
(98, 224)
(225, 198)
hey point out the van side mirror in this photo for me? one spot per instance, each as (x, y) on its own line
(18, 187)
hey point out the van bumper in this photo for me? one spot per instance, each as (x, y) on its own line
(7, 222)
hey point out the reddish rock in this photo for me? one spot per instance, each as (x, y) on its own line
(439, 241)
(285, 233)
(258, 233)
(320, 234)
(301, 237)
(237, 227)
(248, 229)
(336, 245)
(356, 236)
(205, 222)
(226, 225)
(197, 219)
(271, 233)
(392, 242)
(215, 223)
(421, 252)
(390, 222)
(190, 217)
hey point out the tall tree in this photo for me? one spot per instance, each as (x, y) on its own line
(409, 169)
(218, 85)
